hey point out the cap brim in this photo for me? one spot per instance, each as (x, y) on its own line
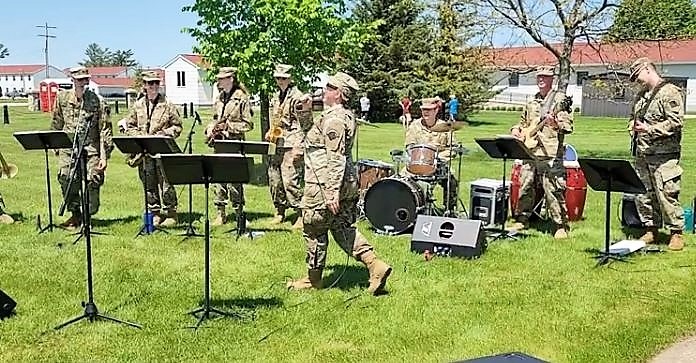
(224, 75)
(81, 76)
(281, 75)
(152, 79)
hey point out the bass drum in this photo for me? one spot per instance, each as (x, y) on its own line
(392, 204)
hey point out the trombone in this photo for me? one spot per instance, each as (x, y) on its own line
(8, 170)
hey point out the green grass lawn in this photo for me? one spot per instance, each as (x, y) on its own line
(535, 295)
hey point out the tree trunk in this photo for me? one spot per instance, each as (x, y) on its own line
(265, 125)
(564, 66)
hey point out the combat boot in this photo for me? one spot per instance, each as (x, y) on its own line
(379, 272)
(650, 236)
(561, 233)
(6, 219)
(157, 219)
(73, 222)
(298, 222)
(278, 218)
(676, 241)
(170, 221)
(221, 217)
(311, 281)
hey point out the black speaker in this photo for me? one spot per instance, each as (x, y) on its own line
(448, 236)
(7, 305)
(629, 212)
(514, 357)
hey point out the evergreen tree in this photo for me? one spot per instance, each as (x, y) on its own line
(653, 20)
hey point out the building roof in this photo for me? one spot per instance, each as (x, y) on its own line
(670, 51)
(22, 68)
(195, 59)
(113, 82)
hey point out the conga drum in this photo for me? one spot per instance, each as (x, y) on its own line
(576, 184)
(516, 186)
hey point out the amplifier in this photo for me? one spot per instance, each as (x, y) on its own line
(448, 236)
(488, 201)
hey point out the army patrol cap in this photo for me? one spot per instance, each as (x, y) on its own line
(343, 82)
(430, 103)
(282, 71)
(544, 71)
(639, 65)
(226, 72)
(150, 76)
(79, 72)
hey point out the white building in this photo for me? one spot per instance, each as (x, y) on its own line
(515, 78)
(185, 80)
(23, 78)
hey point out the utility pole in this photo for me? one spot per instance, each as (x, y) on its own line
(46, 35)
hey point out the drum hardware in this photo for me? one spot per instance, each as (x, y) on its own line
(398, 157)
(448, 126)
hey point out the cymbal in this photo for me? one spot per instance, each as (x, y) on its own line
(448, 126)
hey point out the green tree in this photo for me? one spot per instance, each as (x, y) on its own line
(96, 56)
(450, 67)
(253, 35)
(653, 20)
(387, 66)
(4, 52)
(123, 58)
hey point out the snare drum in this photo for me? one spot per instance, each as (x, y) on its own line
(372, 171)
(422, 160)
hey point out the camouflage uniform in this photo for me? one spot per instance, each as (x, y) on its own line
(657, 158)
(330, 176)
(157, 117)
(549, 164)
(233, 111)
(70, 115)
(418, 133)
(285, 173)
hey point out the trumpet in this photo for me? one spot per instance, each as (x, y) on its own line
(8, 170)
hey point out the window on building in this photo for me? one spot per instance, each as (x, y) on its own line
(514, 80)
(14, 78)
(181, 79)
(21, 77)
(580, 77)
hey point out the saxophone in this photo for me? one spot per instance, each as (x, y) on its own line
(275, 133)
(219, 127)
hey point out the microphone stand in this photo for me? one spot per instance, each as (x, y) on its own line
(190, 231)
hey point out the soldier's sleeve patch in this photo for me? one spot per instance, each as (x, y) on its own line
(332, 135)
(673, 103)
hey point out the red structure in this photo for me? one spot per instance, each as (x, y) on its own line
(48, 91)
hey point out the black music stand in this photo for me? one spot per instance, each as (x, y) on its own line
(188, 148)
(206, 169)
(91, 312)
(147, 145)
(244, 148)
(610, 176)
(505, 147)
(37, 140)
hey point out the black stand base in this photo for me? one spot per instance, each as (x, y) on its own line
(92, 314)
(604, 258)
(501, 233)
(48, 228)
(241, 227)
(209, 313)
(143, 231)
(189, 232)
(81, 234)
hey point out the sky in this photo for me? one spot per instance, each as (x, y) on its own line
(151, 28)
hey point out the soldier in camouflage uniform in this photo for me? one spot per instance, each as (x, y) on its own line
(331, 190)
(154, 115)
(231, 119)
(285, 169)
(419, 132)
(549, 152)
(4, 217)
(657, 123)
(72, 110)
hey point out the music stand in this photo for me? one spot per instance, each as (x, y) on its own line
(37, 140)
(610, 175)
(91, 311)
(188, 148)
(505, 147)
(244, 148)
(148, 145)
(206, 169)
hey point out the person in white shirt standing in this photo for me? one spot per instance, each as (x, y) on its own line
(364, 107)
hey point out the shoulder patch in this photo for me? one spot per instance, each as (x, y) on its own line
(332, 134)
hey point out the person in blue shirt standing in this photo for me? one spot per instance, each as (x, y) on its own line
(453, 106)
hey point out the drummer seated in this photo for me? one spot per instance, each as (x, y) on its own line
(422, 139)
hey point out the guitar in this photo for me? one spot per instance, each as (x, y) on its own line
(530, 133)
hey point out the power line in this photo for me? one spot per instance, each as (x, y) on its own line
(46, 35)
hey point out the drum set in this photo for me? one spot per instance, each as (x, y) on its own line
(391, 198)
